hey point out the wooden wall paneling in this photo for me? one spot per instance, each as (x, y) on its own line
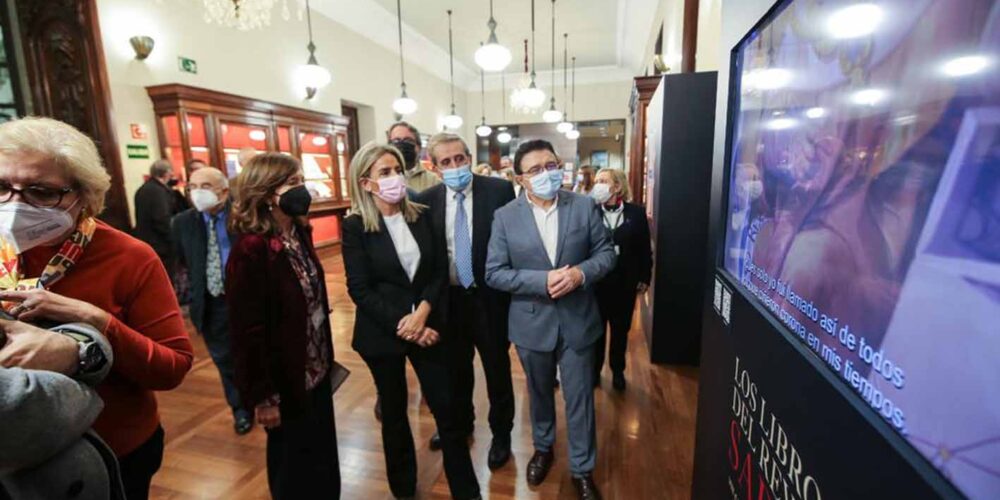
(689, 40)
(66, 74)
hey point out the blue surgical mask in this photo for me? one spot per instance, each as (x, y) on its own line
(543, 186)
(457, 178)
(556, 176)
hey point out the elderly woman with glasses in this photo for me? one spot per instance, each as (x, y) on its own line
(61, 265)
(396, 274)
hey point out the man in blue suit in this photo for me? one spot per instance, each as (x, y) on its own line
(548, 249)
(202, 241)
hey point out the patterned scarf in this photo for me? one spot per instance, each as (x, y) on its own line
(64, 260)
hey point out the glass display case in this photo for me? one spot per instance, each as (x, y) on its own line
(218, 126)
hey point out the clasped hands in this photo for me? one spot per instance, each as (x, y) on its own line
(563, 281)
(413, 327)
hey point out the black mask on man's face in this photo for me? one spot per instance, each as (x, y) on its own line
(408, 150)
(173, 182)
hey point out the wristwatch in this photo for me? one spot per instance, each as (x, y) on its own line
(91, 356)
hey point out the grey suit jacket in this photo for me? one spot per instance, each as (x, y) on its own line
(46, 449)
(518, 264)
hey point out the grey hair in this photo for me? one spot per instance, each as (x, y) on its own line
(67, 148)
(159, 168)
(445, 138)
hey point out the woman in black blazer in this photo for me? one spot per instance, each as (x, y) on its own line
(395, 276)
(617, 291)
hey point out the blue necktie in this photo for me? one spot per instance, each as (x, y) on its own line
(463, 244)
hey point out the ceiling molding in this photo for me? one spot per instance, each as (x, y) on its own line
(640, 15)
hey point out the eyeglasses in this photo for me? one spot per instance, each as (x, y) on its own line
(455, 161)
(537, 169)
(36, 196)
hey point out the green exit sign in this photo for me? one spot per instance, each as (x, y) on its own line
(187, 65)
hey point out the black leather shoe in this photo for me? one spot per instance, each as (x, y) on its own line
(539, 467)
(499, 452)
(243, 425)
(618, 381)
(585, 488)
(378, 408)
(435, 444)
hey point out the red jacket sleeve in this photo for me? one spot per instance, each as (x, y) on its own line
(246, 296)
(151, 345)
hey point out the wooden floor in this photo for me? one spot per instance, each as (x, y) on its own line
(645, 436)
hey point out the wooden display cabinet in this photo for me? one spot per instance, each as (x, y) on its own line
(218, 125)
(642, 92)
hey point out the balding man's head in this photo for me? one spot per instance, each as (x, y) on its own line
(208, 180)
(245, 155)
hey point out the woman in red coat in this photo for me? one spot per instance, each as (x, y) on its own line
(52, 186)
(280, 328)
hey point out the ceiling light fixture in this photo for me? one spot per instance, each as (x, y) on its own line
(311, 75)
(564, 126)
(492, 57)
(257, 135)
(529, 98)
(503, 137)
(452, 121)
(403, 105)
(573, 133)
(552, 115)
(483, 130)
(855, 21)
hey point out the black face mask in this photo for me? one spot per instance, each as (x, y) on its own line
(173, 182)
(408, 150)
(295, 202)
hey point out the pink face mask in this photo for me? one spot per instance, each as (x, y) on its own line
(391, 189)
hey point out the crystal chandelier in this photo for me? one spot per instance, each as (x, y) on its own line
(245, 14)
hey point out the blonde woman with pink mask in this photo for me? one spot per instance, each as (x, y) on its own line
(396, 273)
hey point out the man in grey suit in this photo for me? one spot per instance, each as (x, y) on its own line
(548, 249)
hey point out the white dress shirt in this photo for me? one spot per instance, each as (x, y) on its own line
(406, 247)
(450, 210)
(548, 226)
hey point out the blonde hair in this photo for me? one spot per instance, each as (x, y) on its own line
(254, 190)
(618, 176)
(363, 202)
(444, 138)
(67, 148)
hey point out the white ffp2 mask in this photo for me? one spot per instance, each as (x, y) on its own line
(26, 227)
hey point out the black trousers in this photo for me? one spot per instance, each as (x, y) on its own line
(389, 373)
(616, 301)
(216, 334)
(470, 331)
(302, 459)
(138, 467)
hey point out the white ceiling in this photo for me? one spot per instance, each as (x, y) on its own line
(591, 24)
(607, 36)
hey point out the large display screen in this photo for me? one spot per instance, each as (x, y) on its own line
(863, 209)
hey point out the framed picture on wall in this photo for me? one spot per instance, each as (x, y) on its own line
(599, 159)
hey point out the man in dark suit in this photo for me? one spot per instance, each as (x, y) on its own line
(461, 212)
(203, 242)
(155, 205)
